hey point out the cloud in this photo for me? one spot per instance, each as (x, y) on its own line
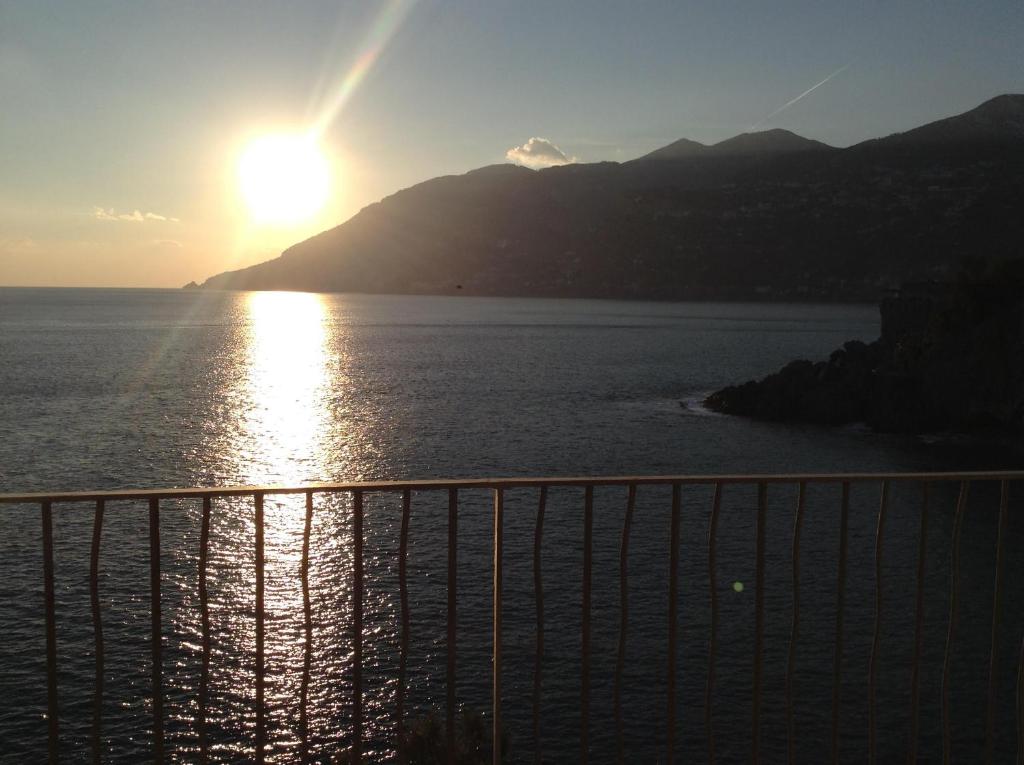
(99, 213)
(538, 153)
(172, 243)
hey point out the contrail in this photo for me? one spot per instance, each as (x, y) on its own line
(807, 92)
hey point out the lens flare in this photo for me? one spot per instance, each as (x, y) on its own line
(384, 27)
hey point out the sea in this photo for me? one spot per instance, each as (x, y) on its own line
(110, 389)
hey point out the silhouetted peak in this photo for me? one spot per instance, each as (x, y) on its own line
(680, 149)
(505, 168)
(775, 141)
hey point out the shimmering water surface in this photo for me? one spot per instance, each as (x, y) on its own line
(131, 388)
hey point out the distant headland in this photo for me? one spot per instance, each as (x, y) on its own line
(762, 216)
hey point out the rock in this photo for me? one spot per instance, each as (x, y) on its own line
(950, 357)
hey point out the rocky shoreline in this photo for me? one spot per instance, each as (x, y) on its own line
(950, 358)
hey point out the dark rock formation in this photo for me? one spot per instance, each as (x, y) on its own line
(831, 392)
(951, 357)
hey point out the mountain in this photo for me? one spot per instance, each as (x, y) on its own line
(775, 141)
(680, 149)
(1000, 119)
(765, 215)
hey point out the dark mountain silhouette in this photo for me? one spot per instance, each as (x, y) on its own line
(680, 149)
(765, 215)
(1000, 119)
(775, 141)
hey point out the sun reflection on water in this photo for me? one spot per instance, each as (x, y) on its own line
(287, 382)
(288, 418)
(290, 424)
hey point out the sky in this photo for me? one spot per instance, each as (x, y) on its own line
(122, 124)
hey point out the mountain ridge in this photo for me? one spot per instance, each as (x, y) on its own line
(774, 140)
(773, 216)
(998, 119)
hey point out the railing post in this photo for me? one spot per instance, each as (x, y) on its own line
(623, 619)
(538, 592)
(673, 623)
(261, 718)
(755, 721)
(954, 611)
(403, 591)
(204, 617)
(307, 614)
(837, 660)
(915, 672)
(997, 613)
(453, 547)
(155, 637)
(499, 513)
(51, 635)
(709, 683)
(794, 631)
(588, 535)
(97, 628)
(357, 628)
(876, 640)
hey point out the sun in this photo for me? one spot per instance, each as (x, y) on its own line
(285, 179)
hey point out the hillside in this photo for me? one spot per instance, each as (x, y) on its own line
(766, 215)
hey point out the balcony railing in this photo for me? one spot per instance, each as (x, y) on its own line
(498, 488)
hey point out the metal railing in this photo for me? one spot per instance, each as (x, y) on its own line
(498, 487)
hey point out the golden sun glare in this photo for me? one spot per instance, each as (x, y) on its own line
(284, 179)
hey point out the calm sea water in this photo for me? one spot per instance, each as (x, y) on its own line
(137, 388)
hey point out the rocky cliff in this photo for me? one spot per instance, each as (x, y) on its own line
(950, 357)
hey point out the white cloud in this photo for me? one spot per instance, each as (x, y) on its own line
(173, 243)
(538, 153)
(136, 216)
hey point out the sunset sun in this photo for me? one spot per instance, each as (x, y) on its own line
(284, 179)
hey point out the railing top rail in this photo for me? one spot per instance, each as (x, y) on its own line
(498, 483)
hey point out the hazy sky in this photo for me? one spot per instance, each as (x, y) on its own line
(121, 123)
